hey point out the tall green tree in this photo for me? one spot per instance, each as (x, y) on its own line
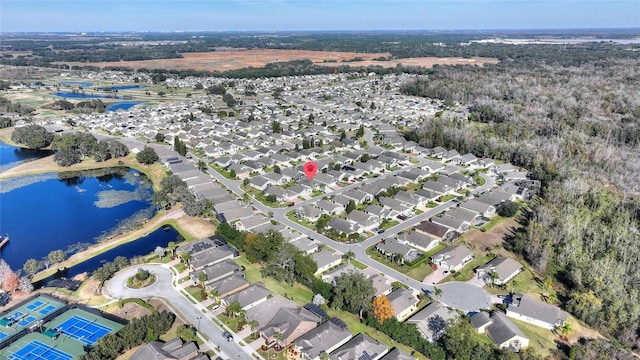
(147, 156)
(353, 292)
(32, 136)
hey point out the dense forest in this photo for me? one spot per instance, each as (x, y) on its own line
(577, 129)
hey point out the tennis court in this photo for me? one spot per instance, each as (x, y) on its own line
(3, 335)
(83, 330)
(47, 309)
(26, 321)
(34, 305)
(38, 351)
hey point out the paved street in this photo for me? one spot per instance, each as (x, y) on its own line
(117, 289)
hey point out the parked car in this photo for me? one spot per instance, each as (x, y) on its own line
(227, 335)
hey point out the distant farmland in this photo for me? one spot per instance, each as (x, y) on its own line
(238, 59)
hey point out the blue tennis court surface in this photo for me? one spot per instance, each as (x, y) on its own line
(34, 305)
(47, 309)
(16, 315)
(83, 330)
(37, 350)
(25, 322)
(3, 335)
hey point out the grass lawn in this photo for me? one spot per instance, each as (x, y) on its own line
(541, 340)
(358, 265)
(432, 205)
(180, 267)
(527, 284)
(413, 187)
(479, 180)
(195, 292)
(292, 216)
(388, 224)
(467, 273)
(446, 198)
(222, 171)
(258, 195)
(493, 222)
(417, 271)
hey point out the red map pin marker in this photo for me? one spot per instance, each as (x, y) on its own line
(310, 168)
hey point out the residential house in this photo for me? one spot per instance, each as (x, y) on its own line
(331, 276)
(216, 271)
(251, 223)
(282, 195)
(451, 222)
(525, 308)
(265, 311)
(229, 284)
(397, 354)
(502, 332)
(343, 226)
(504, 268)
(450, 155)
(379, 211)
(440, 232)
(397, 207)
(364, 220)
(210, 257)
(325, 260)
(471, 218)
(418, 240)
(288, 325)
(496, 197)
(393, 249)
(410, 199)
(329, 207)
(306, 245)
(453, 257)
(359, 197)
(236, 214)
(360, 346)
(381, 284)
(437, 187)
(309, 213)
(433, 319)
(325, 338)
(467, 159)
(403, 302)
(481, 208)
(174, 349)
(249, 297)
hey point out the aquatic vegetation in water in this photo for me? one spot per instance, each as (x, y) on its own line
(18, 182)
(127, 225)
(113, 198)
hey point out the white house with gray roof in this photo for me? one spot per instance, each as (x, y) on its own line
(360, 346)
(502, 331)
(403, 302)
(505, 269)
(525, 308)
(433, 319)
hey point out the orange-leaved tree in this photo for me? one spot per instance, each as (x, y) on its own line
(382, 309)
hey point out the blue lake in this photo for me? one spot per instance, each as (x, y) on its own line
(70, 95)
(122, 87)
(142, 246)
(46, 212)
(125, 105)
(78, 83)
(11, 156)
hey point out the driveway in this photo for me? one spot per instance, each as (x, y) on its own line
(436, 276)
(163, 288)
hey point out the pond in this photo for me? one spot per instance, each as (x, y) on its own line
(122, 87)
(72, 95)
(11, 156)
(70, 211)
(125, 105)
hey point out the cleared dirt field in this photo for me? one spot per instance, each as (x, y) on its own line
(238, 59)
(425, 62)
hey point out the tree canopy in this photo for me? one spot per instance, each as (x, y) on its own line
(353, 292)
(32, 136)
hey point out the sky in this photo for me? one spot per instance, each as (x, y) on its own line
(312, 15)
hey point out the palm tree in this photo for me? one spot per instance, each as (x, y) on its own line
(202, 277)
(254, 326)
(278, 337)
(233, 309)
(437, 292)
(494, 276)
(171, 246)
(214, 294)
(565, 329)
(202, 166)
(514, 284)
(185, 257)
(348, 256)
